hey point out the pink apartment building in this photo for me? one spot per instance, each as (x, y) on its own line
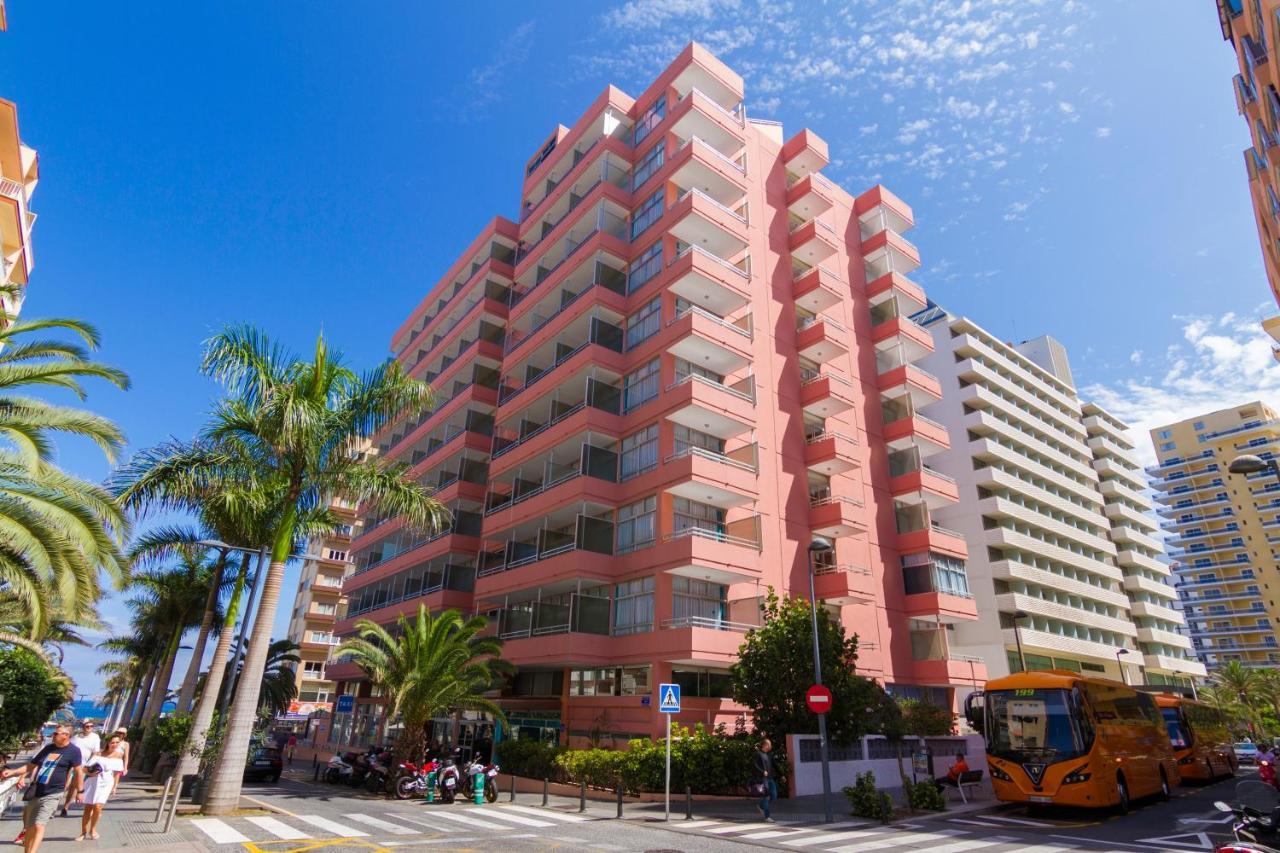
(691, 355)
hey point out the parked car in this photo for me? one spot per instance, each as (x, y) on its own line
(1246, 753)
(266, 763)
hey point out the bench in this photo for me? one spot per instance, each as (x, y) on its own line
(968, 779)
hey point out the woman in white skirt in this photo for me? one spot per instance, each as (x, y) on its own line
(101, 773)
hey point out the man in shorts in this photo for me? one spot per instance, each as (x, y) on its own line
(88, 742)
(51, 772)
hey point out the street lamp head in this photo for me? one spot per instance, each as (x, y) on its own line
(1121, 652)
(819, 544)
(1247, 464)
(1019, 615)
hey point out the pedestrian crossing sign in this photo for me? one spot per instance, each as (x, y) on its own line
(669, 698)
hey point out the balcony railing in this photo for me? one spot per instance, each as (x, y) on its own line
(719, 534)
(735, 389)
(713, 150)
(745, 331)
(708, 622)
(734, 116)
(824, 434)
(731, 267)
(819, 499)
(515, 340)
(721, 458)
(740, 217)
(841, 568)
(805, 322)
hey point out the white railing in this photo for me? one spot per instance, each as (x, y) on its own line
(702, 312)
(719, 155)
(713, 256)
(738, 216)
(707, 622)
(703, 453)
(9, 188)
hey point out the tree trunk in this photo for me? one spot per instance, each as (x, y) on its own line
(189, 761)
(188, 693)
(155, 702)
(148, 681)
(223, 795)
(125, 708)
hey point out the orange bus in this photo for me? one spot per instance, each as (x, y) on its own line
(1200, 739)
(1060, 738)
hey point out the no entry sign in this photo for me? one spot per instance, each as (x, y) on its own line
(818, 698)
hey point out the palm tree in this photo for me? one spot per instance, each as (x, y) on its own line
(279, 681)
(1236, 679)
(57, 532)
(286, 435)
(431, 666)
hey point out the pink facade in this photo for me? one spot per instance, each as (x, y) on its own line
(691, 355)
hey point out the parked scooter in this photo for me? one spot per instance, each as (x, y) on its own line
(1267, 773)
(1257, 823)
(338, 770)
(447, 780)
(376, 779)
(361, 763)
(415, 779)
(476, 771)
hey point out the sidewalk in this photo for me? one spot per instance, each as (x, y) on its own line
(126, 824)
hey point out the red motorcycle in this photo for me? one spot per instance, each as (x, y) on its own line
(415, 779)
(1267, 773)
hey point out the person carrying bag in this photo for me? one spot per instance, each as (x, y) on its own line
(764, 783)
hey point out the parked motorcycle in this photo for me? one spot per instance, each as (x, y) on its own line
(338, 770)
(447, 780)
(414, 779)
(379, 773)
(476, 771)
(1257, 823)
(361, 763)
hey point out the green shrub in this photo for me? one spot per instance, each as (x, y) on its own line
(167, 735)
(925, 719)
(867, 800)
(529, 757)
(599, 768)
(925, 795)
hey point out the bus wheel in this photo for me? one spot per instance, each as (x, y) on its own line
(1164, 786)
(1122, 789)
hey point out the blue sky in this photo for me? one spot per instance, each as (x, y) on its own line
(1075, 169)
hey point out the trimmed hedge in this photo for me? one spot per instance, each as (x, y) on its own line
(708, 763)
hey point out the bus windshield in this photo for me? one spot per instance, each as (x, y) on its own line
(1033, 725)
(1179, 733)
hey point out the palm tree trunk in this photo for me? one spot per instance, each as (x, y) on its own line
(148, 682)
(188, 693)
(189, 761)
(123, 709)
(223, 795)
(155, 702)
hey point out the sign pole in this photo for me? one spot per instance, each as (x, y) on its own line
(667, 812)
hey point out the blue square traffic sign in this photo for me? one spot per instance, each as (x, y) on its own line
(669, 698)
(346, 703)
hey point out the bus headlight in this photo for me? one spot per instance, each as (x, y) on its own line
(1187, 759)
(997, 773)
(1077, 776)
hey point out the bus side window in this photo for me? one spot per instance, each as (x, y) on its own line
(1081, 713)
(1149, 710)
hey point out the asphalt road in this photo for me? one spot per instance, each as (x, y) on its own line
(322, 817)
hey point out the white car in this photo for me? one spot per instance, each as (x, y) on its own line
(1246, 753)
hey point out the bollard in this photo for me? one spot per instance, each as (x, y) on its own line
(173, 809)
(477, 785)
(431, 787)
(544, 790)
(618, 791)
(164, 798)
(582, 795)
(315, 777)
(513, 789)
(688, 802)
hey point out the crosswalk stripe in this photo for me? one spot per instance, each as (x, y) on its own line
(551, 813)
(279, 829)
(690, 824)
(896, 839)
(339, 829)
(831, 838)
(464, 819)
(971, 844)
(379, 823)
(1046, 848)
(760, 836)
(740, 827)
(984, 824)
(501, 814)
(1022, 821)
(220, 832)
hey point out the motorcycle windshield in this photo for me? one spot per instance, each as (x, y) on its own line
(1257, 796)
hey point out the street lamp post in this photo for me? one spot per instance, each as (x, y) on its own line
(1120, 653)
(1018, 616)
(820, 546)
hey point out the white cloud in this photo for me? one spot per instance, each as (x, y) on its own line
(1103, 133)
(1223, 362)
(1135, 357)
(909, 132)
(653, 14)
(486, 81)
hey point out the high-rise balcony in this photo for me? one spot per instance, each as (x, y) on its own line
(588, 400)
(1156, 611)
(844, 583)
(696, 113)
(725, 553)
(477, 392)
(1138, 583)
(444, 582)
(804, 153)
(488, 291)
(472, 431)
(570, 626)
(697, 219)
(709, 342)
(723, 480)
(390, 547)
(889, 252)
(700, 640)
(697, 164)
(949, 671)
(567, 158)
(601, 284)
(825, 392)
(830, 453)
(585, 340)
(709, 281)
(931, 596)
(479, 339)
(880, 210)
(574, 470)
(891, 327)
(821, 338)
(918, 534)
(812, 241)
(724, 410)
(836, 515)
(592, 233)
(1164, 638)
(811, 196)
(817, 288)
(1168, 663)
(909, 295)
(907, 380)
(606, 168)
(923, 484)
(905, 427)
(568, 542)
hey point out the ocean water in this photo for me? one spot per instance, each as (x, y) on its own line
(87, 709)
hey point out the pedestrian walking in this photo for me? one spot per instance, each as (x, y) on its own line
(290, 747)
(101, 774)
(53, 770)
(87, 741)
(123, 734)
(764, 781)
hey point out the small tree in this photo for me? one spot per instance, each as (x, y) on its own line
(775, 668)
(33, 692)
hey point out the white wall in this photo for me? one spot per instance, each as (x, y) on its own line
(806, 776)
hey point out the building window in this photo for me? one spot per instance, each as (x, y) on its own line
(1166, 433)
(1168, 445)
(687, 514)
(323, 608)
(636, 525)
(688, 438)
(613, 681)
(321, 637)
(645, 323)
(639, 452)
(633, 606)
(649, 212)
(338, 556)
(313, 668)
(703, 683)
(646, 123)
(934, 573)
(640, 386)
(645, 267)
(650, 163)
(697, 599)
